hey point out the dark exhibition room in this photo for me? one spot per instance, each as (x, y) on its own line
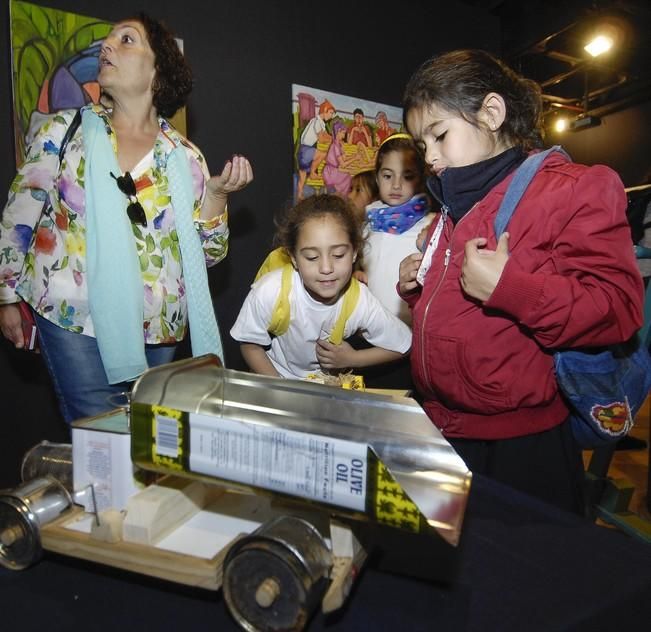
(325, 316)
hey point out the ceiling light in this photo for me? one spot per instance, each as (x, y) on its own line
(561, 125)
(599, 45)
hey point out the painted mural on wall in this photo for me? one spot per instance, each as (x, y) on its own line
(54, 64)
(336, 136)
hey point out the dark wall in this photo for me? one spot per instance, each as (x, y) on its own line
(622, 141)
(245, 56)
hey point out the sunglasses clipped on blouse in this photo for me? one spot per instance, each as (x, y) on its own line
(135, 211)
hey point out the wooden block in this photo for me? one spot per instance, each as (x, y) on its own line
(159, 509)
(344, 542)
(348, 558)
(110, 525)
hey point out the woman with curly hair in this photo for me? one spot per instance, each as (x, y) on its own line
(109, 227)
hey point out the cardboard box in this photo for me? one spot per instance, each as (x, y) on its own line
(101, 458)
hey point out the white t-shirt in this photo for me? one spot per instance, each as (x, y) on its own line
(293, 353)
(382, 256)
(310, 134)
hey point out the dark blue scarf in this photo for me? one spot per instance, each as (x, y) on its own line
(459, 188)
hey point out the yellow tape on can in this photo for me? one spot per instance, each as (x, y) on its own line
(393, 506)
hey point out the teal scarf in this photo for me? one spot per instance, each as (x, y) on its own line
(115, 286)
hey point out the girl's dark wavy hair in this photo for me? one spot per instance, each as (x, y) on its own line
(324, 205)
(406, 146)
(459, 80)
(368, 181)
(173, 81)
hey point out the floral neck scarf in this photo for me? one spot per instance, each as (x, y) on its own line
(397, 219)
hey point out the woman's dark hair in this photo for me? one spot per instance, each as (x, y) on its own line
(325, 205)
(404, 146)
(173, 80)
(458, 81)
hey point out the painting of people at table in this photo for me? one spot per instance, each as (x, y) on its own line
(335, 137)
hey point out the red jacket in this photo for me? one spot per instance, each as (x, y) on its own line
(486, 371)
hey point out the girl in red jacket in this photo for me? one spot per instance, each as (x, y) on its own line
(487, 315)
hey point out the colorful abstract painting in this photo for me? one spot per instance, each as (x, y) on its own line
(54, 64)
(336, 136)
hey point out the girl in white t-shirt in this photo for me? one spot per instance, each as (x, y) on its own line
(396, 219)
(321, 236)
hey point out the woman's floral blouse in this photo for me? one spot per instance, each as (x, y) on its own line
(43, 256)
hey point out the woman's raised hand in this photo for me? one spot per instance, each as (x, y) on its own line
(237, 173)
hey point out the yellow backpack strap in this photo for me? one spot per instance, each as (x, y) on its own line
(281, 312)
(275, 259)
(347, 308)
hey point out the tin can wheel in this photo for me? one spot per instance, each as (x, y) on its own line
(275, 578)
(23, 511)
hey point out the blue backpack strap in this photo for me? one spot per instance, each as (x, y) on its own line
(523, 176)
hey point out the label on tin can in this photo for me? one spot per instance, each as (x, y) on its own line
(327, 470)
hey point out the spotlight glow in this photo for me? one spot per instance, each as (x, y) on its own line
(599, 45)
(561, 125)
